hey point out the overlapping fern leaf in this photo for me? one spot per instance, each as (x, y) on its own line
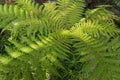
(59, 41)
(33, 42)
(39, 55)
(99, 54)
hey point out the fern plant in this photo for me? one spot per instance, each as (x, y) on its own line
(117, 2)
(59, 40)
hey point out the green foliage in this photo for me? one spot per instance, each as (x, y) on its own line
(117, 2)
(60, 40)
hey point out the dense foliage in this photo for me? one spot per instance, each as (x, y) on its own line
(59, 40)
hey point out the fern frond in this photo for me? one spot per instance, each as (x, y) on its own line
(28, 5)
(59, 40)
(71, 7)
(41, 51)
(24, 8)
(97, 29)
(97, 56)
(13, 13)
(13, 10)
(100, 13)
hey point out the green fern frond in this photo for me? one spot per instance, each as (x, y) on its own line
(13, 10)
(24, 8)
(28, 5)
(97, 29)
(19, 69)
(12, 13)
(43, 51)
(97, 56)
(71, 7)
(100, 13)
